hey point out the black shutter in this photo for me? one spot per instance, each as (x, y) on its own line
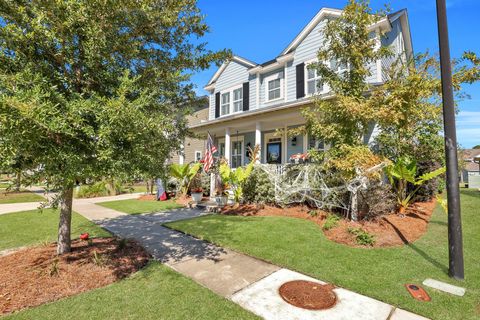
(300, 80)
(217, 104)
(246, 96)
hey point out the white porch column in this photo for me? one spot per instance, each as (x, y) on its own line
(258, 139)
(305, 143)
(227, 146)
(285, 145)
(181, 156)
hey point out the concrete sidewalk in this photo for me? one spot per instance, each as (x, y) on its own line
(250, 282)
(77, 203)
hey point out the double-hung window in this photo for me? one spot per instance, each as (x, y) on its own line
(273, 87)
(231, 101)
(338, 66)
(238, 100)
(314, 81)
(225, 104)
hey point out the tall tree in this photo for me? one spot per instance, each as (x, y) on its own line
(349, 42)
(96, 88)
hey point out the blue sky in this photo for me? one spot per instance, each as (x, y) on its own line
(259, 30)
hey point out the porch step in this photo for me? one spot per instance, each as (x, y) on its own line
(209, 206)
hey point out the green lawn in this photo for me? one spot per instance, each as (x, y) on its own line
(380, 273)
(133, 206)
(32, 227)
(155, 292)
(18, 197)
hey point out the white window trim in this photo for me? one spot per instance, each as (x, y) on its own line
(325, 88)
(232, 140)
(230, 103)
(195, 155)
(265, 83)
(235, 139)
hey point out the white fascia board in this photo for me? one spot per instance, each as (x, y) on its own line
(309, 27)
(281, 61)
(383, 24)
(211, 84)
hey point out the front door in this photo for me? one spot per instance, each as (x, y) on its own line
(274, 152)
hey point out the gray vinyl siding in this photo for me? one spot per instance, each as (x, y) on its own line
(263, 88)
(306, 51)
(253, 91)
(234, 74)
(394, 40)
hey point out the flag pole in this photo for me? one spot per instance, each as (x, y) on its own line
(455, 245)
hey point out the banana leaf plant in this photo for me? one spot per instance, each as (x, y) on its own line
(403, 172)
(185, 173)
(236, 178)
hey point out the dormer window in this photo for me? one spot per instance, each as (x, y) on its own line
(274, 88)
(225, 105)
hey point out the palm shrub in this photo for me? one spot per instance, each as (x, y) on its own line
(236, 179)
(404, 172)
(185, 173)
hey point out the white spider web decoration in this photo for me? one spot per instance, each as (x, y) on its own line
(308, 183)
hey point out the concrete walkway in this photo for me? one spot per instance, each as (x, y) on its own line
(83, 203)
(250, 282)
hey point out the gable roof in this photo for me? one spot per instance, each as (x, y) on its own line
(285, 55)
(224, 65)
(310, 26)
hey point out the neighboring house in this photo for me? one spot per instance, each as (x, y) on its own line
(470, 167)
(250, 102)
(193, 149)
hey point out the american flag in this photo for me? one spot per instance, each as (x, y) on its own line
(209, 151)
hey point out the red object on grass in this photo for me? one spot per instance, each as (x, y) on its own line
(84, 236)
(163, 197)
(418, 292)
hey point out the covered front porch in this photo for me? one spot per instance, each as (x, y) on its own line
(234, 136)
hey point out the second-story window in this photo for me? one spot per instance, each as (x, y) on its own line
(338, 67)
(314, 82)
(274, 88)
(237, 100)
(225, 105)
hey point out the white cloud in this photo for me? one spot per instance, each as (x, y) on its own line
(468, 128)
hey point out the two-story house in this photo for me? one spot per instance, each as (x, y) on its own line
(249, 102)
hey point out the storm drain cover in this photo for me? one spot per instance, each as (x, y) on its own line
(308, 295)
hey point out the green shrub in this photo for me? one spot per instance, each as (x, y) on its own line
(99, 189)
(258, 188)
(362, 237)
(313, 213)
(331, 222)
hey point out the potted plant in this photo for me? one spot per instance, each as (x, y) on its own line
(221, 194)
(197, 194)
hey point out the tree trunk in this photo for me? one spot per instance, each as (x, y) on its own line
(18, 180)
(63, 244)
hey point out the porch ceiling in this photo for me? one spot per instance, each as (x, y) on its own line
(268, 121)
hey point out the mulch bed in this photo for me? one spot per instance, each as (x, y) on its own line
(148, 197)
(308, 295)
(34, 276)
(389, 230)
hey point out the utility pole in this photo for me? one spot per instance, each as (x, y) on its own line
(455, 245)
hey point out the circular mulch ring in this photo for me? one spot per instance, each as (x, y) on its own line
(308, 295)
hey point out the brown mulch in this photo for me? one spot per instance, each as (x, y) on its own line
(389, 230)
(147, 197)
(34, 276)
(308, 295)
